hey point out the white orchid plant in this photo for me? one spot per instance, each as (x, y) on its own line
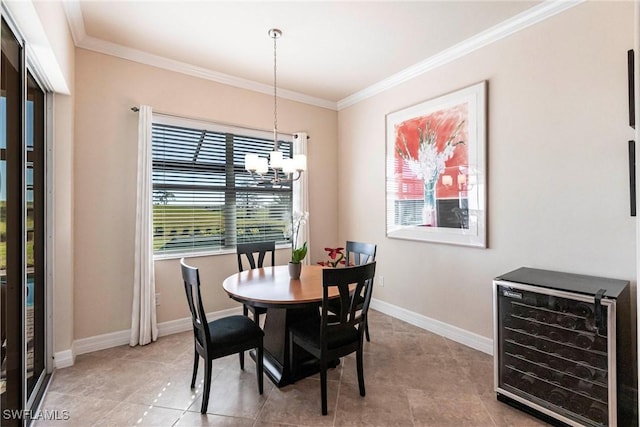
(293, 230)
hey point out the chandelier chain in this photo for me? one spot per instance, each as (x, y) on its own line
(285, 170)
(275, 93)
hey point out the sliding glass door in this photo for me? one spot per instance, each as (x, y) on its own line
(11, 225)
(23, 303)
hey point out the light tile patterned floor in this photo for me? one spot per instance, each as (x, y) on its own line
(412, 378)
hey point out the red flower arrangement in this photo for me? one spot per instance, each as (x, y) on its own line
(336, 256)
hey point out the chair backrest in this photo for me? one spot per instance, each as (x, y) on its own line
(253, 248)
(351, 314)
(191, 279)
(359, 253)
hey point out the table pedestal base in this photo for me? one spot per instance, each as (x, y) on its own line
(276, 361)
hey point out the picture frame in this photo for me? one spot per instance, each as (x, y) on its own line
(630, 88)
(632, 177)
(436, 169)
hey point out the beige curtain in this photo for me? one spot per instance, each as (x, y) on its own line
(144, 325)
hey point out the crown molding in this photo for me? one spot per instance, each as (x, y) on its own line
(113, 49)
(73, 11)
(498, 32)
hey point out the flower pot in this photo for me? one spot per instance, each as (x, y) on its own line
(294, 270)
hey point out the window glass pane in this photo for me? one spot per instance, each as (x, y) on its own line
(35, 222)
(262, 216)
(11, 230)
(203, 199)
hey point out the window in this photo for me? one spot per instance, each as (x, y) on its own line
(203, 199)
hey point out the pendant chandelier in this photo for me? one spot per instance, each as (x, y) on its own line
(284, 169)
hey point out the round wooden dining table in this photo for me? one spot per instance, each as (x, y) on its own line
(272, 287)
(287, 301)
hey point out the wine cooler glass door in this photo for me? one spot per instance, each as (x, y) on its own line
(554, 352)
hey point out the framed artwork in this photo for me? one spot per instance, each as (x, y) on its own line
(436, 169)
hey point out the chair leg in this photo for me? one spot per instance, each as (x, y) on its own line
(245, 310)
(323, 385)
(207, 387)
(360, 370)
(241, 357)
(259, 368)
(196, 358)
(366, 330)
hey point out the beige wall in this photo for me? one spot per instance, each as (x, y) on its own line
(105, 181)
(558, 192)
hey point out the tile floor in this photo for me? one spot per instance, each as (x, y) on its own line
(412, 378)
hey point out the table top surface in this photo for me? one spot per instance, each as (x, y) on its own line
(272, 285)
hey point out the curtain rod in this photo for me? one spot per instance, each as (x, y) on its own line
(136, 109)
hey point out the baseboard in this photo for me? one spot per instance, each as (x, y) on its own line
(66, 358)
(451, 332)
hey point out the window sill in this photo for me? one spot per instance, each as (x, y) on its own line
(178, 255)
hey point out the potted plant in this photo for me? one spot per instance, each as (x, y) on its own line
(297, 253)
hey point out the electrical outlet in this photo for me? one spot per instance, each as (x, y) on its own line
(158, 299)
(380, 281)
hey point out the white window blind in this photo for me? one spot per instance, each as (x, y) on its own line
(203, 199)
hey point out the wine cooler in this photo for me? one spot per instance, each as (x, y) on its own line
(564, 347)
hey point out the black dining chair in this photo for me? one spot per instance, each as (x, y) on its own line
(220, 337)
(250, 251)
(330, 337)
(357, 253)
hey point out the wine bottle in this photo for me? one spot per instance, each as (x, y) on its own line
(557, 304)
(564, 380)
(510, 376)
(532, 328)
(585, 387)
(523, 339)
(544, 317)
(583, 309)
(556, 363)
(600, 392)
(584, 340)
(526, 383)
(600, 344)
(578, 404)
(584, 371)
(532, 356)
(558, 335)
(568, 353)
(569, 381)
(558, 397)
(545, 345)
(598, 412)
(568, 322)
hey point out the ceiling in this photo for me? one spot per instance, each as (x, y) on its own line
(329, 51)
